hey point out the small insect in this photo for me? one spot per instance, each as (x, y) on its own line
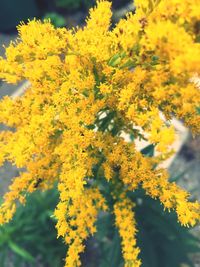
(197, 28)
(121, 30)
(143, 22)
(38, 182)
(116, 168)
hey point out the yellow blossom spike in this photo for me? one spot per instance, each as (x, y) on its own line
(125, 222)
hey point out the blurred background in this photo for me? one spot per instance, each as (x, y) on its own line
(30, 239)
(61, 12)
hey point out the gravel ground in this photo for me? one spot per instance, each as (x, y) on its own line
(7, 171)
(187, 165)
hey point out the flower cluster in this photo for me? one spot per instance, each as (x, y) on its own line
(88, 87)
(126, 224)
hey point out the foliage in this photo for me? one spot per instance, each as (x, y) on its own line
(56, 19)
(163, 242)
(89, 87)
(31, 236)
(71, 4)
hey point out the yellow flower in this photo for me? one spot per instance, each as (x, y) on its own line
(125, 222)
(88, 87)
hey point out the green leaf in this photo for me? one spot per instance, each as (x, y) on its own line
(148, 252)
(155, 60)
(114, 60)
(129, 64)
(115, 252)
(177, 177)
(21, 252)
(56, 19)
(148, 151)
(198, 110)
